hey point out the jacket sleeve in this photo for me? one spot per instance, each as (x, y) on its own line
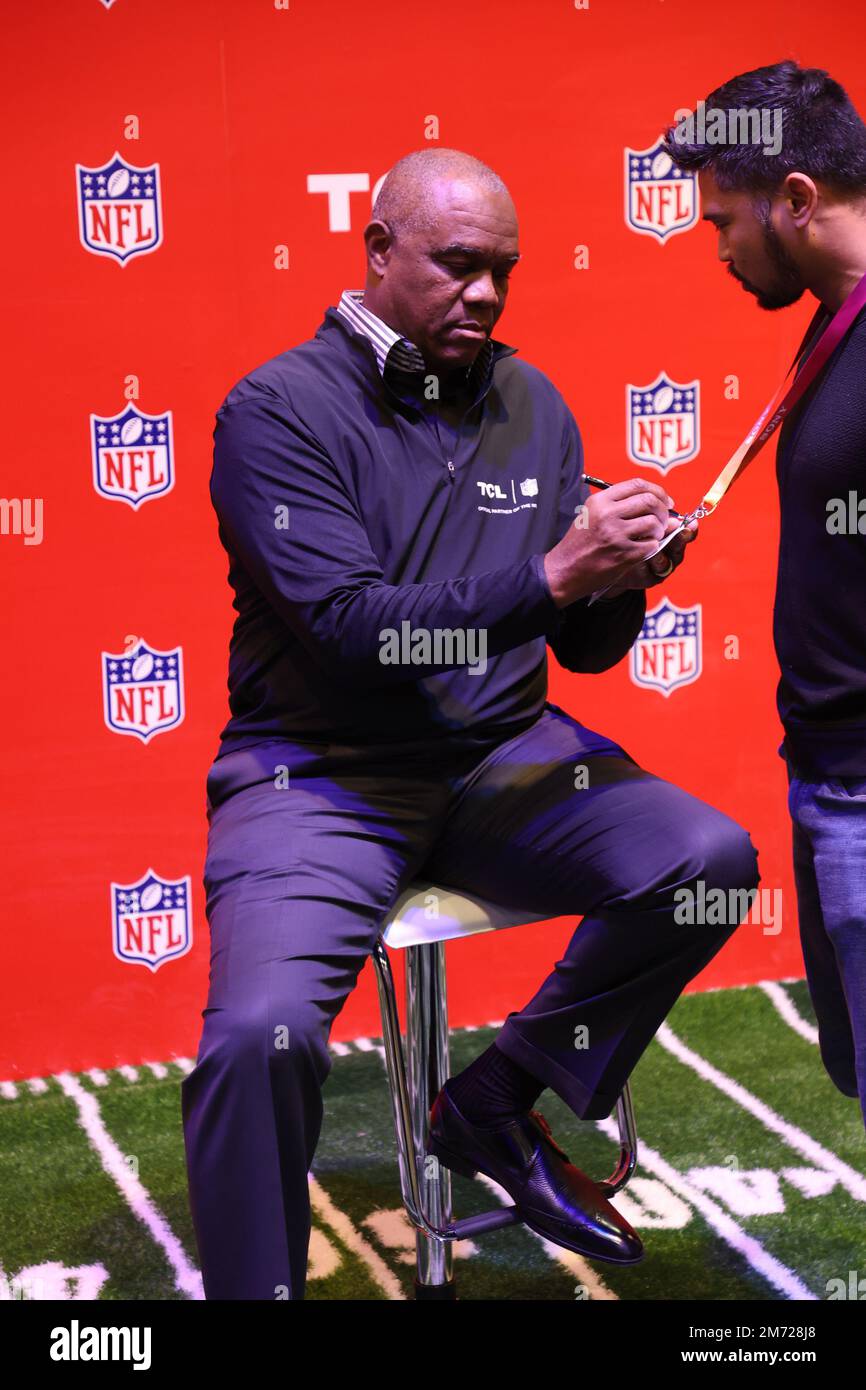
(590, 639)
(290, 521)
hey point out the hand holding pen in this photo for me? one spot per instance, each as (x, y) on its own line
(646, 574)
(609, 547)
(599, 482)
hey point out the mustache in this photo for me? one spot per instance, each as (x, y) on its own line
(741, 280)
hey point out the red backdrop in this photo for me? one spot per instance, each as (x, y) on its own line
(240, 105)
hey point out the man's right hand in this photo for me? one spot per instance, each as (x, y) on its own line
(615, 529)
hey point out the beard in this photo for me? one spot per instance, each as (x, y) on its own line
(788, 284)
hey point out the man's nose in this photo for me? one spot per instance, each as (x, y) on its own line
(482, 289)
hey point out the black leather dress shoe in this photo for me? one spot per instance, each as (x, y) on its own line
(552, 1197)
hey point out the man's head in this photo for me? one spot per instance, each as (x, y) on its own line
(783, 215)
(441, 245)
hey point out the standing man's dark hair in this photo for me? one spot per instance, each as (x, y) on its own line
(790, 213)
(822, 133)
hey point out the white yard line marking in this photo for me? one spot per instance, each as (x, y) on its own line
(367, 1045)
(777, 1274)
(187, 1277)
(575, 1264)
(795, 1138)
(342, 1226)
(787, 1009)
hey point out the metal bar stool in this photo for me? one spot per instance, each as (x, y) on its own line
(420, 922)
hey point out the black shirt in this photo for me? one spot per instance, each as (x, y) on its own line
(819, 618)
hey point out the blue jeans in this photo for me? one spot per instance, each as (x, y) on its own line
(829, 833)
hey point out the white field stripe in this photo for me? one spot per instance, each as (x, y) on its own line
(787, 1009)
(367, 1045)
(12, 1090)
(765, 1264)
(575, 1264)
(342, 1226)
(37, 1085)
(187, 1277)
(795, 1138)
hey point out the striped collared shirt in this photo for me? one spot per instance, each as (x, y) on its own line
(394, 352)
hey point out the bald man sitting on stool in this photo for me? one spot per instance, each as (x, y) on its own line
(407, 528)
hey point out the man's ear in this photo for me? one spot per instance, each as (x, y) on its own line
(379, 239)
(801, 198)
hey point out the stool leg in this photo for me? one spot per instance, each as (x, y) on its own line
(427, 1067)
(414, 1162)
(398, 1084)
(627, 1145)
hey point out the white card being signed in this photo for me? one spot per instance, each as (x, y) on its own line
(667, 540)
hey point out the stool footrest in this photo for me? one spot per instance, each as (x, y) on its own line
(484, 1221)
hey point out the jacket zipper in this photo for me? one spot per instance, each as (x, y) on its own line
(449, 463)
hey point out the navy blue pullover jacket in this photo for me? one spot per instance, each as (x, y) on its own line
(344, 516)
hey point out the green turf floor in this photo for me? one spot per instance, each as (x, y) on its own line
(751, 1181)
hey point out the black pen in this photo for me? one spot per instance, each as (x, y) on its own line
(599, 482)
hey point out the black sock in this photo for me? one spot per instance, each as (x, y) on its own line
(493, 1089)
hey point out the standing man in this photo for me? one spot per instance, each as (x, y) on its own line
(407, 528)
(789, 222)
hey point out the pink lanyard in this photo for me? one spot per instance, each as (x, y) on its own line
(782, 403)
(773, 414)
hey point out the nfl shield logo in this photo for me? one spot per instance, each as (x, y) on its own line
(151, 920)
(660, 200)
(663, 422)
(142, 690)
(529, 487)
(667, 652)
(119, 209)
(132, 455)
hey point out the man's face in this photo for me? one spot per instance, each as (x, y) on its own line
(453, 273)
(751, 247)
